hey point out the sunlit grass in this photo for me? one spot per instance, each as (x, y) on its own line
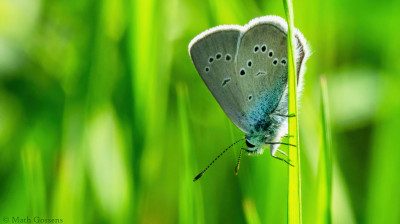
(294, 184)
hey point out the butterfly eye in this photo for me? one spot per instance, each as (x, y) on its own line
(275, 61)
(228, 57)
(263, 48)
(256, 48)
(270, 53)
(249, 144)
(218, 56)
(249, 63)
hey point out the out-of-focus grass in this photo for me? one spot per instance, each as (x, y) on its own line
(32, 162)
(250, 211)
(383, 186)
(294, 183)
(190, 196)
(153, 28)
(186, 197)
(324, 178)
(89, 116)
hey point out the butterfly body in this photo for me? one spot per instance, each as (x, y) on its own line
(267, 128)
(245, 68)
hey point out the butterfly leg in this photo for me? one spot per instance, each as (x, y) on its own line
(280, 143)
(282, 152)
(284, 115)
(284, 160)
(274, 115)
(274, 149)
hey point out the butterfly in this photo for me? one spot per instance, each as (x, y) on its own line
(246, 70)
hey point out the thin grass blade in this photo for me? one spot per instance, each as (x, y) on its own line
(294, 184)
(190, 195)
(324, 179)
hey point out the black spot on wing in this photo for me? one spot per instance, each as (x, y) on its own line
(226, 81)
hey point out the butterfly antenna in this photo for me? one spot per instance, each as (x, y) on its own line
(238, 163)
(202, 172)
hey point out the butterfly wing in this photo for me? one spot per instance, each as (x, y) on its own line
(213, 53)
(235, 64)
(262, 69)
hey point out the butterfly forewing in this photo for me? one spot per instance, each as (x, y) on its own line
(214, 54)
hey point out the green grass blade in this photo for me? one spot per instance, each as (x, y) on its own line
(185, 192)
(190, 195)
(294, 188)
(250, 211)
(33, 171)
(324, 179)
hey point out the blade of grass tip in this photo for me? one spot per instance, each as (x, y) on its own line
(294, 183)
(250, 211)
(324, 178)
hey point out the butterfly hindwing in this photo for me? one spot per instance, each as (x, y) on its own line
(262, 69)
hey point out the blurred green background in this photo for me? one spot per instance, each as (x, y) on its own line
(103, 118)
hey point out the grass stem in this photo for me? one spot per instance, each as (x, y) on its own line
(324, 178)
(294, 183)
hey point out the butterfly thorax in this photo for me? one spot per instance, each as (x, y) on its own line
(264, 132)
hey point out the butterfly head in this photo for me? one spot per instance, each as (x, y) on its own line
(254, 143)
(250, 145)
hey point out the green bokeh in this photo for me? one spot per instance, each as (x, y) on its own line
(103, 118)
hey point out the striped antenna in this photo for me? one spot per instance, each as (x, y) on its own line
(202, 172)
(238, 163)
